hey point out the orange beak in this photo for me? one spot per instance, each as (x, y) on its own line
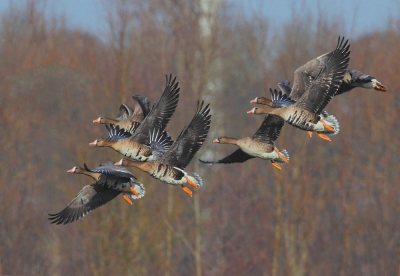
(216, 141)
(97, 121)
(92, 144)
(119, 163)
(254, 101)
(70, 171)
(250, 112)
(379, 87)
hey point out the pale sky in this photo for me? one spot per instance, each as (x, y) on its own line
(360, 16)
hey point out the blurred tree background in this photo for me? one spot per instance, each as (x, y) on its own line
(333, 210)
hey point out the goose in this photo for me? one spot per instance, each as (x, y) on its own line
(307, 112)
(280, 100)
(352, 79)
(110, 182)
(260, 145)
(168, 165)
(137, 146)
(129, 118)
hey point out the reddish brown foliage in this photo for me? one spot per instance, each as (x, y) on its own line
(333, 210)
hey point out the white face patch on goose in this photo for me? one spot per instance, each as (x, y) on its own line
(369, 85)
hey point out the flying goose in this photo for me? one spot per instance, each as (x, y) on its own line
(352, 79)
(307, 112)
(110, 182)
(168, 166)
(129, 118)
(260, 145)
(137, 146)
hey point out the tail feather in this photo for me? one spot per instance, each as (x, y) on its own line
(139, 188)
(332, 121)
(285, 154)
(197, 178)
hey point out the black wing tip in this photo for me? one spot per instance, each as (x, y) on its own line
(169, 83)
(340, 45)
(86, 167)
(209, 163)
(57, 218)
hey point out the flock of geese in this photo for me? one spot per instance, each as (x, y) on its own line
(139, 133)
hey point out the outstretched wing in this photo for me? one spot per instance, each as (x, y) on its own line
(160, 142)
(160, 115)
(279, 99)
(115, 133)
(328, 80)
(108, 168)
(285, 87)
(307, 73)
(125, 112)
(141, 108)
(238, 156)
(190, 140)
(89, 198)
(270, 129)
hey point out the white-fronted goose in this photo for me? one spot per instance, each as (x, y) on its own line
(307, 112)
(280, 100)
(137, 146)
(110, 182)
(169, 166)
(113, 177)
(352, 79)
(129, 118)
(260, 145)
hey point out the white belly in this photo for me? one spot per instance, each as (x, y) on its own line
(262, 154)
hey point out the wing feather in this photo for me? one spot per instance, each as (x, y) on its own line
(161, 114)
(89, 198)
(327, 81)
(190, 140)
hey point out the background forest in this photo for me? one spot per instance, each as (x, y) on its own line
(333, 210)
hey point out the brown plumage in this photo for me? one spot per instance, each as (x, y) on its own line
(110, 182)
(260, 145)
(169, 165)
(307, 112)
(137, 146)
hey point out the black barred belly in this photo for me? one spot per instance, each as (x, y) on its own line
(167, 173)
(300, 121)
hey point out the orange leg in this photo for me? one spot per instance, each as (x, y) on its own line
(187, 190)
(276, 165)
(190, 182)
(324, 137)
(281, 156)
(133, 190)
(127, 198)
(326, 126)
(310, 133)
